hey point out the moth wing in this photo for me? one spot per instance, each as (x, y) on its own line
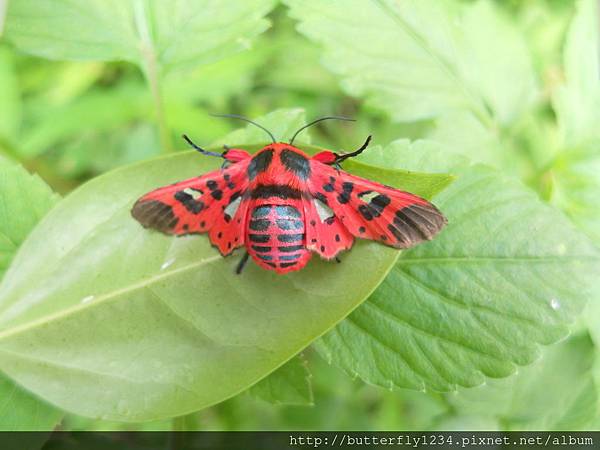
(325, 233)
(212, 203)
(371, 210)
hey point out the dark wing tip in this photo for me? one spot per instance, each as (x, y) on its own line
(154, 214)
(416, 223)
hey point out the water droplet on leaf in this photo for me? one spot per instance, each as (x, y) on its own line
(167, 264)
(87, 299)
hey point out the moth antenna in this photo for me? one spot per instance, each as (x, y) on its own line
(362, 148)
(245, 119)
(320, 120)
(200, 149)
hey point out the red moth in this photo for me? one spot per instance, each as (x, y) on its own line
(282, 205)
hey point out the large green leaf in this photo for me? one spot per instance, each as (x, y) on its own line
(555, 393)
(24, 200)
(506, 275)
(420, 59)
(146, 32)
(106, 319)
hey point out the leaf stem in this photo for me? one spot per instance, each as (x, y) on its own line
(152, 74)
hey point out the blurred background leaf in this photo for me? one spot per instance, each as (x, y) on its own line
(290, 384)
(420, 60)
(514, 85)
(542, 396)
(576, 170)
(168, 34)
(157, 36)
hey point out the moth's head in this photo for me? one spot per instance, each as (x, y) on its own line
(326, 157)
(236, 154)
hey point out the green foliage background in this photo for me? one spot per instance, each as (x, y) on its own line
(493, 325)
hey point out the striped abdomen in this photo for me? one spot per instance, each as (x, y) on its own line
(276, 237)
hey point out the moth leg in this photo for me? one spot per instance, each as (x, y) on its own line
(226, 163)
(242, 263)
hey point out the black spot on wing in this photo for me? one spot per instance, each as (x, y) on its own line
(227, 179)
(375, 207)
(321, 197)
(154, 214)
(295, 162)
(215, 192)
(260, 163)
(195, 206)
(344, 196)
(379, 203)
(366, 212)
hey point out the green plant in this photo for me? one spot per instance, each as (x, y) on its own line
(102, 319)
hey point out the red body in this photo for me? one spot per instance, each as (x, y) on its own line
(283, 205)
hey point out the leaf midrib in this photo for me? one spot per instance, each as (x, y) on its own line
(499, 259)
(143, 283)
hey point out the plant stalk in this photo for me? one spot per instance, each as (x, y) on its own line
(152, 73)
